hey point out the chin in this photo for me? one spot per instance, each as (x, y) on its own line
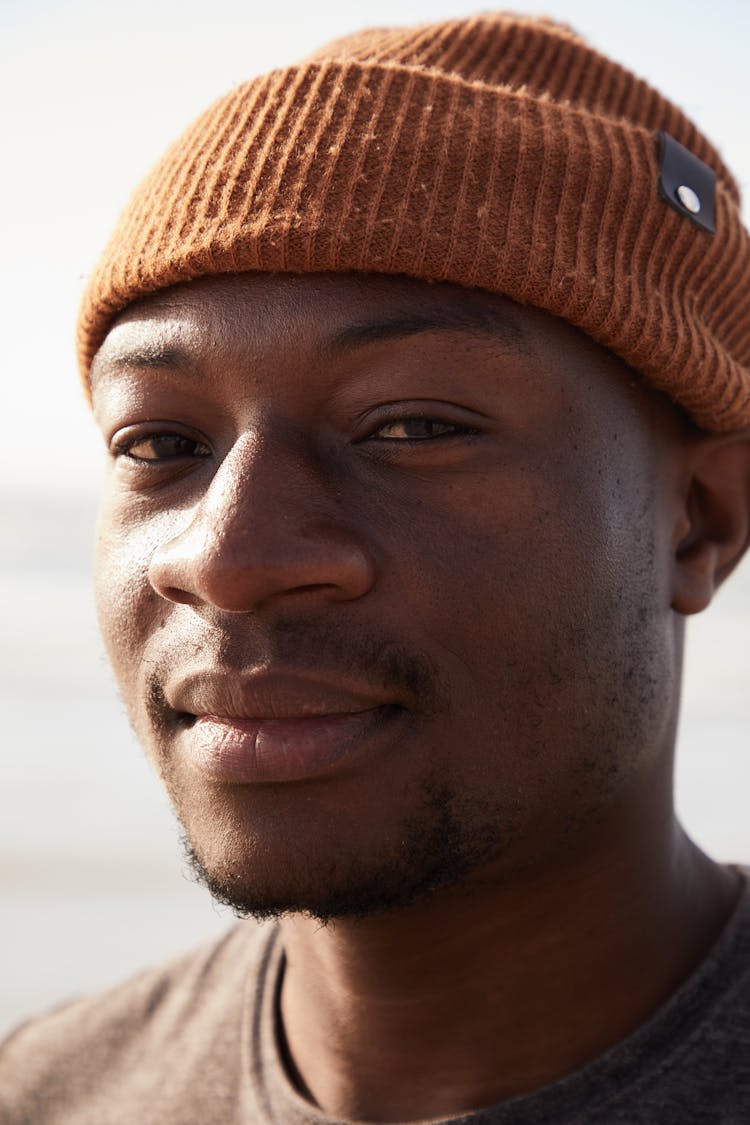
(337, 874)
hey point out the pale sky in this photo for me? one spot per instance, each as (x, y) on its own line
(92, 91)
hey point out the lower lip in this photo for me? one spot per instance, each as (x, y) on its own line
(258, 751)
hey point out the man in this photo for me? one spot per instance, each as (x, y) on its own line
(423, 367)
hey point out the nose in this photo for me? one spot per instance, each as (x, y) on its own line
(264, 529)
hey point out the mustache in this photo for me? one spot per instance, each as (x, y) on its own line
(370, 658)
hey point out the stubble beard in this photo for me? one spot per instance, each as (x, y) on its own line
(438, 848)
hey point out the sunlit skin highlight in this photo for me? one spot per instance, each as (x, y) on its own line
(471, 535)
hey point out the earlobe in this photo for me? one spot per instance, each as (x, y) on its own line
(714, 531)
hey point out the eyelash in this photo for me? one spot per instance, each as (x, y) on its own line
(451, 429)
(125, 447)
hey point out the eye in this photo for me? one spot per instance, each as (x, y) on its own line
(419, 429)
(158, 447)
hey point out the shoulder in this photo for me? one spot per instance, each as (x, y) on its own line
(692, 1061)
(125, 1037)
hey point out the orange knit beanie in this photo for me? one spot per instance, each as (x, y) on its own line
(498, 152)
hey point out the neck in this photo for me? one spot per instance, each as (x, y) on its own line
(503, 985)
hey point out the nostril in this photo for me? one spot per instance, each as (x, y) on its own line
(175, 594)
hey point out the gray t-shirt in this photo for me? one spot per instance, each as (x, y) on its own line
(195, 1043)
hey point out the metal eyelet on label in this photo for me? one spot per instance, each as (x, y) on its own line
(688, 199)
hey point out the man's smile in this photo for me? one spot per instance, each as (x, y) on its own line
(252, 751)
(276, 726)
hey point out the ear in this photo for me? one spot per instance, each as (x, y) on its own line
(714, 532)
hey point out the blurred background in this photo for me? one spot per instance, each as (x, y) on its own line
(91, 883)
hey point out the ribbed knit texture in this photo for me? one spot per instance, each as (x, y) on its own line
(497, 152)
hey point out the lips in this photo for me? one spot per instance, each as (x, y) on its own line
(268, 695)
(276, 727)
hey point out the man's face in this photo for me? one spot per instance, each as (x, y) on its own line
(383, 573)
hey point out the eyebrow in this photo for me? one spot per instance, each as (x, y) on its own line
(492, 323)
(484, 322)
(143, 355)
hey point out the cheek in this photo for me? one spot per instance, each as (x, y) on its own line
(490, 564)
(543, 601)
(128, 609)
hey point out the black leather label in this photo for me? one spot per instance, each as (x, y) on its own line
(687, 183)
